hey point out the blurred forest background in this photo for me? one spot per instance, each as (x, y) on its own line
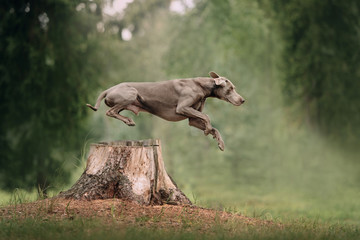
(291, 150)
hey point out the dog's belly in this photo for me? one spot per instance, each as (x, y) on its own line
(162, 110)
(170, 116)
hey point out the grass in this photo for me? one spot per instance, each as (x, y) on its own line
(80, 228)
(286, 207)
(296, 222)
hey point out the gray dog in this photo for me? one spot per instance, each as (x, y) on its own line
(172, 100)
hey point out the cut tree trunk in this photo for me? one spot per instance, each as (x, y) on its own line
(132, 170)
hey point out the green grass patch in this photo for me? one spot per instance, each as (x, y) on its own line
(295, 217)
(80, 228)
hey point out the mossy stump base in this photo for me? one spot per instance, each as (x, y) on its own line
(131, 170)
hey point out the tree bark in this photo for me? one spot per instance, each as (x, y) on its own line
(131, 170)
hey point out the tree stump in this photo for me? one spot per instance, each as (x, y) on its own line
(131, 170)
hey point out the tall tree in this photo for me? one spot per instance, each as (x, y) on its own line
(47, 65)
(321, 60)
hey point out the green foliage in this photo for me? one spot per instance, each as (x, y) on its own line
(47, 67)
(320, 63)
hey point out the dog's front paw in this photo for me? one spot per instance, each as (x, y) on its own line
(130, 122)
(216, 134)
(221, 145)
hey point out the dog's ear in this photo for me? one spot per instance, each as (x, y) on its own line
(220, 82)
(214, 75)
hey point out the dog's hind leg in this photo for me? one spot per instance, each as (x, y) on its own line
(114, 112)
(119, 99)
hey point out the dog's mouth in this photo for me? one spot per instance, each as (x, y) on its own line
(236, 102)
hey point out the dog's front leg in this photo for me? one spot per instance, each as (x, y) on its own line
(195, 122)
(184, 108)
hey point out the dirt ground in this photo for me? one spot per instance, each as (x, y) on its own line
(127, 213)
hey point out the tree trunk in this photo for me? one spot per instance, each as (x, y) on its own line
(132, 170)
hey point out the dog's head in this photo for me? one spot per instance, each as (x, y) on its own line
(225, 90)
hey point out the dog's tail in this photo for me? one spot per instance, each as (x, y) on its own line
(98, 101)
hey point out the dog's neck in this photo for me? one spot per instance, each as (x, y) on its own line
(208, 86)
(213, 89)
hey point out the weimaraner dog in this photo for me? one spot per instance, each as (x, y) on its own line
(172, 100)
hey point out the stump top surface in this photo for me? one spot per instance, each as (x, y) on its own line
(130, 143)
